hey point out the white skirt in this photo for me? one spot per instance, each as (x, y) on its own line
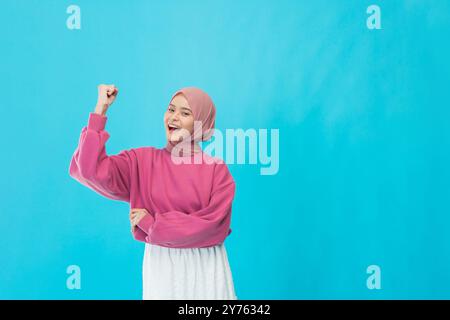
(187, 273)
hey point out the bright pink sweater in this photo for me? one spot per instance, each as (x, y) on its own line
(189, 204)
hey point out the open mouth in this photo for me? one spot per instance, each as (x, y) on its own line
(172, 128)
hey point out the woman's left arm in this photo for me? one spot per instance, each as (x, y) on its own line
(138, 234)
(206, 227)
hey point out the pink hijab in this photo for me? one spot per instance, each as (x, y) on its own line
(203, 110)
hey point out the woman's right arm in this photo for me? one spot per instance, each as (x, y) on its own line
(91, 166)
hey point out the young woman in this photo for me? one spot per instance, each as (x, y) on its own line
(180, 197)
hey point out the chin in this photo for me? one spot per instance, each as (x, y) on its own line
(173, 139)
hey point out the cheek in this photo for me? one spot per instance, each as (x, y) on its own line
(190, 126)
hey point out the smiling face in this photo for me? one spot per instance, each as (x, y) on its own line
(178, 119)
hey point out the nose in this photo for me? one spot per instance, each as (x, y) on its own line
(173, 117)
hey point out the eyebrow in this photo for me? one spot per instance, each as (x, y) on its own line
(171, 104)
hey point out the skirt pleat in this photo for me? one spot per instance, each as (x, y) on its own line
(187, 273)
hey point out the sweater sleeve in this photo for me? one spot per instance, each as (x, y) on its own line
(108, 175)
(206, 227)
(139, 235)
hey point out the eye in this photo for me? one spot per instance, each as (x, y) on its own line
(186, 114)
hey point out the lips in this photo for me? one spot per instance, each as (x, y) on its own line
(172, 128)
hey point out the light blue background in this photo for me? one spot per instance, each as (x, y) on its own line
(364, 140)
